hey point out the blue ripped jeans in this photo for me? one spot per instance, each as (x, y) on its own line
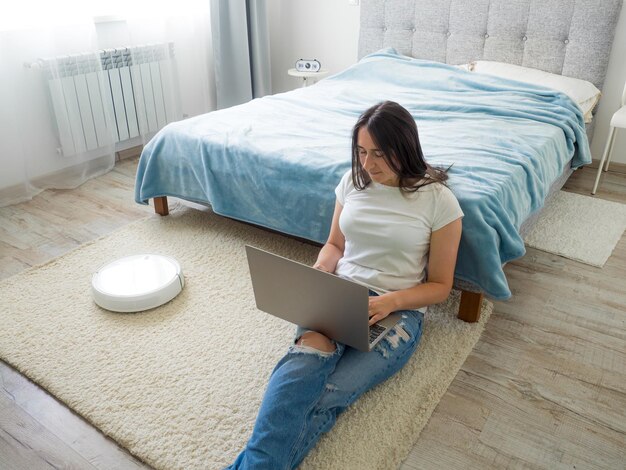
(308, 389)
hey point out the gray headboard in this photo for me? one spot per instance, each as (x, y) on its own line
(567, 37)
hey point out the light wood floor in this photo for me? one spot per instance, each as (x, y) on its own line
(544, 388)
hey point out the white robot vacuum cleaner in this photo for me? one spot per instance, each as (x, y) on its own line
(136, 283)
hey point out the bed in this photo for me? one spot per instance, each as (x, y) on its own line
(275, 161)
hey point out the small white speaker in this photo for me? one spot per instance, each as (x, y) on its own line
(308, 65)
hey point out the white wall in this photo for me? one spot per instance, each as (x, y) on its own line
(328, 30)
(611, 95)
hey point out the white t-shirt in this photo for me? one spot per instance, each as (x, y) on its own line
(388, 233)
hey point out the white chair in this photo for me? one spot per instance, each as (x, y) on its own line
(617, 121)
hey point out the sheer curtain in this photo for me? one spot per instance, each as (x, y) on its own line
(55, 68)
(241, 48)
(31, 154)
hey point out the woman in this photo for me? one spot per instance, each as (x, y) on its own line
(395, 221)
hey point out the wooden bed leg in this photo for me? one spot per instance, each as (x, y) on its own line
(469, 308)
(160, 205)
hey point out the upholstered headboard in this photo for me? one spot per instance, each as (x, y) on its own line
(567, 37)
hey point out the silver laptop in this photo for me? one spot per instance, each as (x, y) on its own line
(314, 299)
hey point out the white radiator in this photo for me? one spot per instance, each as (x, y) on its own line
(129, 93)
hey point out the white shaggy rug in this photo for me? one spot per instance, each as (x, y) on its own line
(179, 386)
(579, 227)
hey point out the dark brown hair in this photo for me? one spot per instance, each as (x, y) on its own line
(394, 132)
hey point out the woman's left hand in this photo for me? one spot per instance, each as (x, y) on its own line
(380, 307)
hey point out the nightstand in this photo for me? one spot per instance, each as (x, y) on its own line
(306, 75)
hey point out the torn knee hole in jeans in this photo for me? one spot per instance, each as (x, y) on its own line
(304, 349)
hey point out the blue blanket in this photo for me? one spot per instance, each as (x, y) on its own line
(275, 161)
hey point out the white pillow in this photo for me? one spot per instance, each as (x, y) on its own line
(582, 92)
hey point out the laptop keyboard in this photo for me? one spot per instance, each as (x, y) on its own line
(375, 331)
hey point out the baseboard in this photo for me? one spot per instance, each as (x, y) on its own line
(136, 151)
(129, 153)
(21, 192)
(613, 166)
